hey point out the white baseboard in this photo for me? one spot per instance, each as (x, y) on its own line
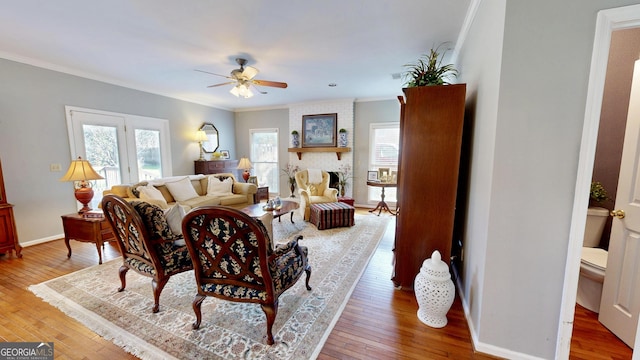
(483, 347)
(42, 240)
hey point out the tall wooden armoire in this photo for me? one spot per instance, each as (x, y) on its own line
(431, 123)
(8, 233)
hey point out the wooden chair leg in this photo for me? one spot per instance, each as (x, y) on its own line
(157, 289)
(270, 310)
(123, 273)
(307, 270)
(197, 302)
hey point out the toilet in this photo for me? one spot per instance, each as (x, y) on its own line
(593, 262)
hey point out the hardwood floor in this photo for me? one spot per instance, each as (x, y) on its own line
(378, 322)
(591, 340)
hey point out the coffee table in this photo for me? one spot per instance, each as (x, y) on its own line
(256, 210)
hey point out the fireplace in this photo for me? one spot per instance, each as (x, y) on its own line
(334, 180)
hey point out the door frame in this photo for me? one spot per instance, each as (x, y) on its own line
(607, 21)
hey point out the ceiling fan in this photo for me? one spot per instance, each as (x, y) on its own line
(243, 78)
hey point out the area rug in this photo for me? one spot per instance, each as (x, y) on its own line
(228, 330)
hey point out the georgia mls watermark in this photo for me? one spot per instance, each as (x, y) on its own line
(26, 351)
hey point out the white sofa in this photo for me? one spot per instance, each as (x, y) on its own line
(174, 191)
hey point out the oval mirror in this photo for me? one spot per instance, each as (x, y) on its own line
(212, 134)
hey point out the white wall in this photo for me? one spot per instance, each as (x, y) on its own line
(33, 135)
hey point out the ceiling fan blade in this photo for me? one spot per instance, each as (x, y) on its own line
(277, 84)
(226, 83)
(206, 72)
(249, 72)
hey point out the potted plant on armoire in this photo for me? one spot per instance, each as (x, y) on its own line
(431, 122)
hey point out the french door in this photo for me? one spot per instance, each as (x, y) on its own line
(122, 148)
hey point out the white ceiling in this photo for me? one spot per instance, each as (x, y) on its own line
(155, 45)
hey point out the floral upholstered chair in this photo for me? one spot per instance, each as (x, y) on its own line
(314, 191)
(147, 244)
(234, 260)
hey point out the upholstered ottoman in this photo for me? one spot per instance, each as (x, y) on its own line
(331, 215)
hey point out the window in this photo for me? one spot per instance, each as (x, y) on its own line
(383, 153)
(122, 148)
(264, 157)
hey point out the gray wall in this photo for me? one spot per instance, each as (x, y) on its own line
(265, 119)
(523, 178)
(33, 135)
(367, 113)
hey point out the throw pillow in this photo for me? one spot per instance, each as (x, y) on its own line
(219, 187)
(174, 216)
(182, 190)
(150, 194)
(134, 189)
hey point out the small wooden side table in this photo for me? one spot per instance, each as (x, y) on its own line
(94, 230)
(261, 194)
(382, 205)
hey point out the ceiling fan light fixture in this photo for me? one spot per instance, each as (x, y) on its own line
(241, 90)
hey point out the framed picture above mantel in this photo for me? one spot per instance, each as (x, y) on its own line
(319, 130)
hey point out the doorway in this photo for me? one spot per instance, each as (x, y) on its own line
(607, 22)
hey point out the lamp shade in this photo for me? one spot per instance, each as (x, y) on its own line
(245, 164)
(201, 136)
(81, 170)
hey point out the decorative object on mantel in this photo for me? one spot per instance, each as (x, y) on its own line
(291, 171)
(245, 165)
(428, 70)
(295, 139)
(434, 291)
(319, 130)
(201, 137)
(79, 172)
(344, 174)
(342, 138)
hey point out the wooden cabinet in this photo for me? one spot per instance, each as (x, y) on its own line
(216, 167)
(8, 233)
(431, 124)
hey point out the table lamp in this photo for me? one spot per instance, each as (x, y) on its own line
(201, 137)
(245, 164)
(81, 170)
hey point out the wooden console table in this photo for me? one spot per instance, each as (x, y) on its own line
(94, 230)
(382, 205)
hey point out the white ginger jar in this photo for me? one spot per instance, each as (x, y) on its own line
(434, 291)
